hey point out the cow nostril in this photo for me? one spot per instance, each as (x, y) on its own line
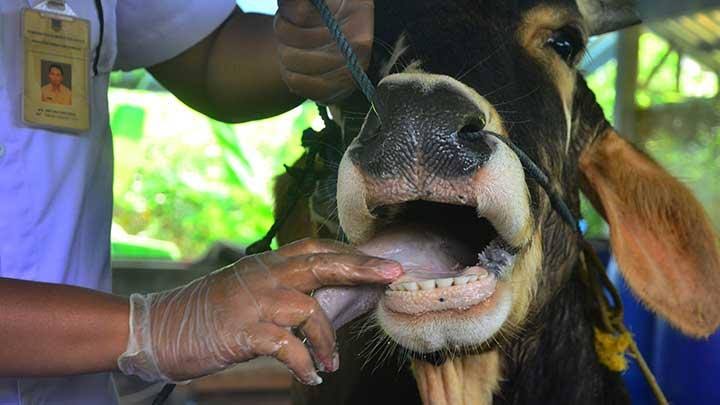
(472, 129)
(472, 138)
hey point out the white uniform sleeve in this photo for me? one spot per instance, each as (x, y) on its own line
(150, 32)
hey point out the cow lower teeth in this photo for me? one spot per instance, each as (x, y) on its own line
(444, 282)
(439, 283)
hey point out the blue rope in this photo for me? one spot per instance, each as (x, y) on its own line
(541, 178)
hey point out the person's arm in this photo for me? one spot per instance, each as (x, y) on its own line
(49, 330)
(232, 75)
(255, 66)
(229, 316)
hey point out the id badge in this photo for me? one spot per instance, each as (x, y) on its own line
(56, 55)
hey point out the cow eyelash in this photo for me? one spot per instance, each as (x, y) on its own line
(568, 43)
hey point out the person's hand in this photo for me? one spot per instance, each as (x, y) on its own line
(247, 310)
(312, 64)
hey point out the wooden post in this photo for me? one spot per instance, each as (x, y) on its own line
(626, 82)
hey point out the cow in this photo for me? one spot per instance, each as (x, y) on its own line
(508, 320)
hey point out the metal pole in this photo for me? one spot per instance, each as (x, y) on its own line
(626, 83)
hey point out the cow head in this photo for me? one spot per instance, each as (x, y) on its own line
(424, 166)
(458, 70)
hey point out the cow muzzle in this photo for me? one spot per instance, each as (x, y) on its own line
(421, 184)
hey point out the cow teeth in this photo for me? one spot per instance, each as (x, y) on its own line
(410, 286)
(462, 280)
(444, 282)
(421, 285)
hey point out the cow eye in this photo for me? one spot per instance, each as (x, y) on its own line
(568, 43)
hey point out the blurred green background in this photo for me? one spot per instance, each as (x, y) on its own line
(183, 181)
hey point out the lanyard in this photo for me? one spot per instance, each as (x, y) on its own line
(56, 6)
(101, 20)
(61, 6)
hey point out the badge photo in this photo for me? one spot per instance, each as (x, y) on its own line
(56, 82)
(56, 49)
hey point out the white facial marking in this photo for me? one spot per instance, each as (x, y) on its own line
(502, 196)
(447, 331)
(355, 218)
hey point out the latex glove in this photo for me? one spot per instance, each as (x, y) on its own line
(246, 310)
(312, 64)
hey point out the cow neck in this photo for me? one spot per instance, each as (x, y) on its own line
(554, 360)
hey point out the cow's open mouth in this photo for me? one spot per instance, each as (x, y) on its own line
(465, 243)
(453, 258)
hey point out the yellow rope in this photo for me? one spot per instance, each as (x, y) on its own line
(612, 339)
(611, 349)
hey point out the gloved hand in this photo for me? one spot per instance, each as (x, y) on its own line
(247, 310)
(312, 64)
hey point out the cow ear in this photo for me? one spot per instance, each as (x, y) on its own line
(660, 236)
(608, 15)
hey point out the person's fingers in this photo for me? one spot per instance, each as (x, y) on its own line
(357, 27)
(261, 271)
(291, 308)
(301, 37)
(322, 59)
(303, 13)
(316, 61)
(313, 245)
(320, 88)
(267, 339)
(312, 65)
(309, 272)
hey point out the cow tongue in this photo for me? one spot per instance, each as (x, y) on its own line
(425, 253)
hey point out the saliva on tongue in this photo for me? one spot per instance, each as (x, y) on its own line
(424, 253)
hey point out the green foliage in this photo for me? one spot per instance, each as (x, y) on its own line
(138, 79)
(602, 83)
(133, 247)
(128, 121)
(696, 162)
(190, 180)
